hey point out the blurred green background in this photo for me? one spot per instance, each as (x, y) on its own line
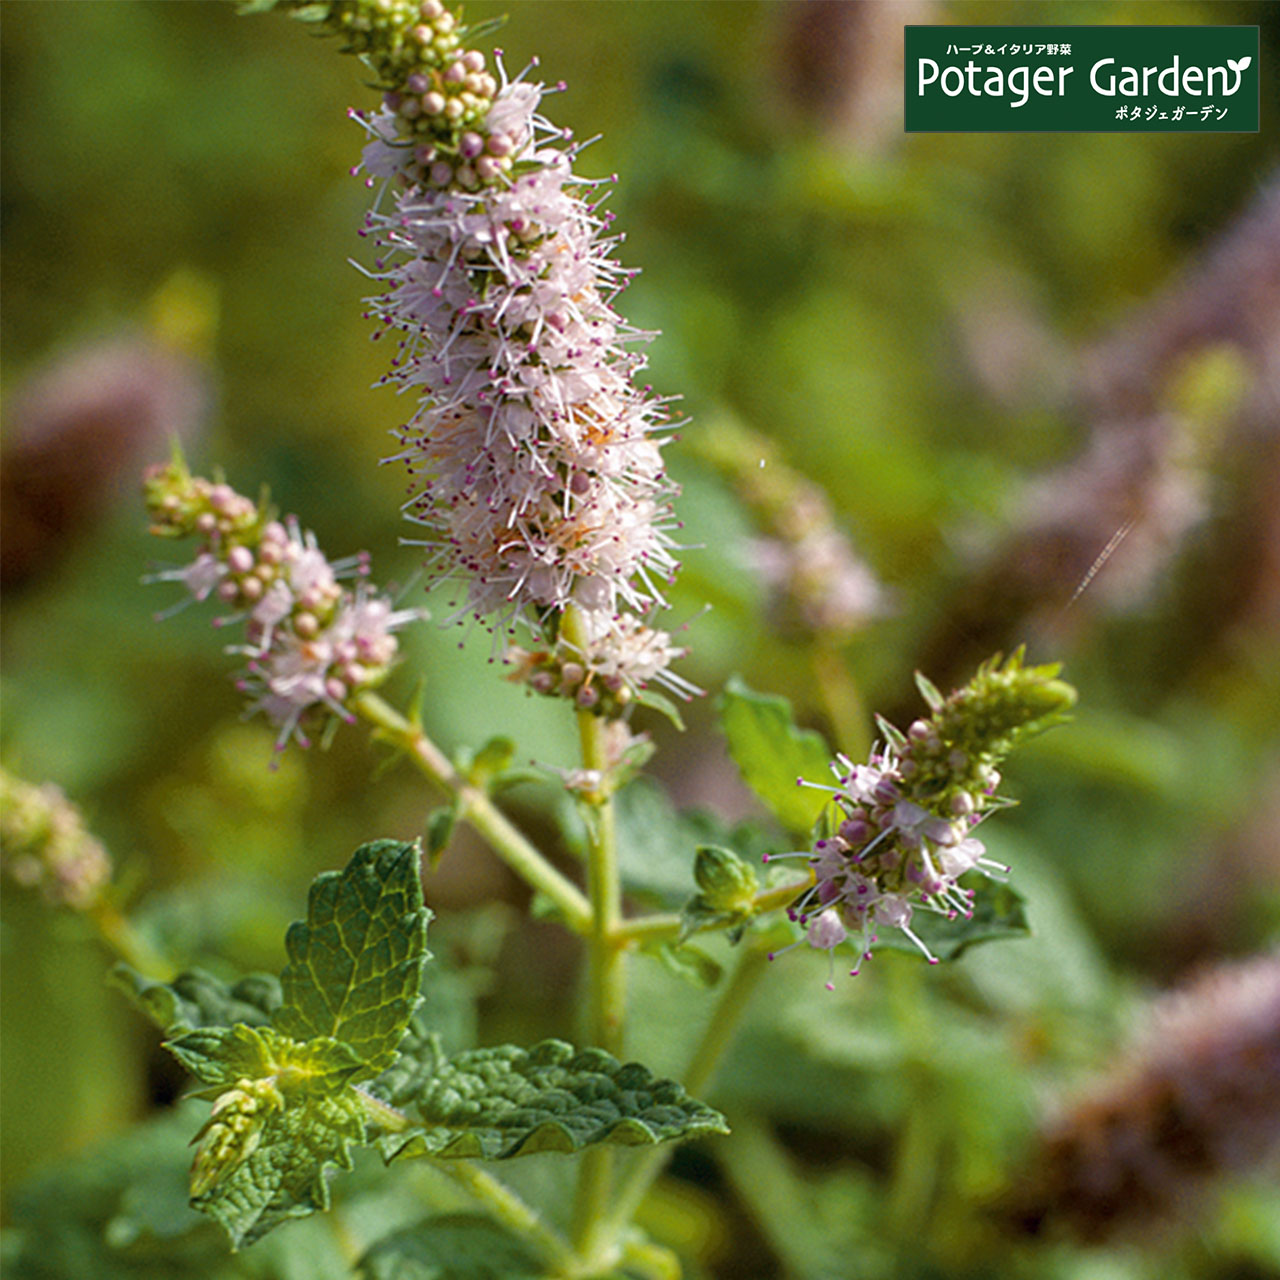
(927, 325)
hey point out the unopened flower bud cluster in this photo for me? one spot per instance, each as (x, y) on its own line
(906, 818)
(437, 93)
(44, 844)
(233, 1131)
(619, 659)
(310, 642)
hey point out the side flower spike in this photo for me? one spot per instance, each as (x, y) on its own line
(904, 823)
(310, 642)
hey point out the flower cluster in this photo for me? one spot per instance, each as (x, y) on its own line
(311, 644)
(607, 670)
(534, 466)
(1193, 1100)
(904, 834)
(44, 844)
(819, 583)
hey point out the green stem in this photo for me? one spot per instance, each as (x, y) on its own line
(501, 1202)
(119, 934)
(666, 926)
(840, 697)
(508, 1208)
(479, 811)
(607, 992)
(706, 1057)
(606, 962)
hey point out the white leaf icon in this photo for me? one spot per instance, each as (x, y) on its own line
(1238, 64)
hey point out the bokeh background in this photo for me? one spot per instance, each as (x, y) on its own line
(992, 352)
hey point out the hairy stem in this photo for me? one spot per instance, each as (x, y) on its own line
(478, 811)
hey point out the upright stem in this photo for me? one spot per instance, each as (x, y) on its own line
(716, 1038)
(606, 962)
(511, 845)
(509, 1209)
(840, 697)
(117, 931)
(607, 994)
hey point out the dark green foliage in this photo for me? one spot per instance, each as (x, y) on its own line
(198, 999)
(506, 1101)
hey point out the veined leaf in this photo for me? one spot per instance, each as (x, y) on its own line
(355, 963)
(284, 1112)
(771, 753)
(226, 1056)
(507, 1101)
(197, 999)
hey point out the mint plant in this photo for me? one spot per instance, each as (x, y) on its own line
(539, 492)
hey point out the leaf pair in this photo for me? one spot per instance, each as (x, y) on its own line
(330, 1055)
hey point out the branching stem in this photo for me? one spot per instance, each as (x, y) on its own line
(478, 810)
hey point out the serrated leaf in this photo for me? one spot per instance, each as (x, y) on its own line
(286, 1174)
(771, 753)
(454, 1246)
(197, 999)
(998, 912)
(507, 1101)
(355, 964)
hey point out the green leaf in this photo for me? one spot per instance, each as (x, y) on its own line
(224, 1056)
(998, 912)
(355, 964)
(197, 999)
(929, 691)
(690, 963)
(454, 1246)
(659, 702)
(772, 753)
(285, 1175)
(486, 764)
(655, 842)
(284, 1113)
(507, 1101)
(440, 825)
